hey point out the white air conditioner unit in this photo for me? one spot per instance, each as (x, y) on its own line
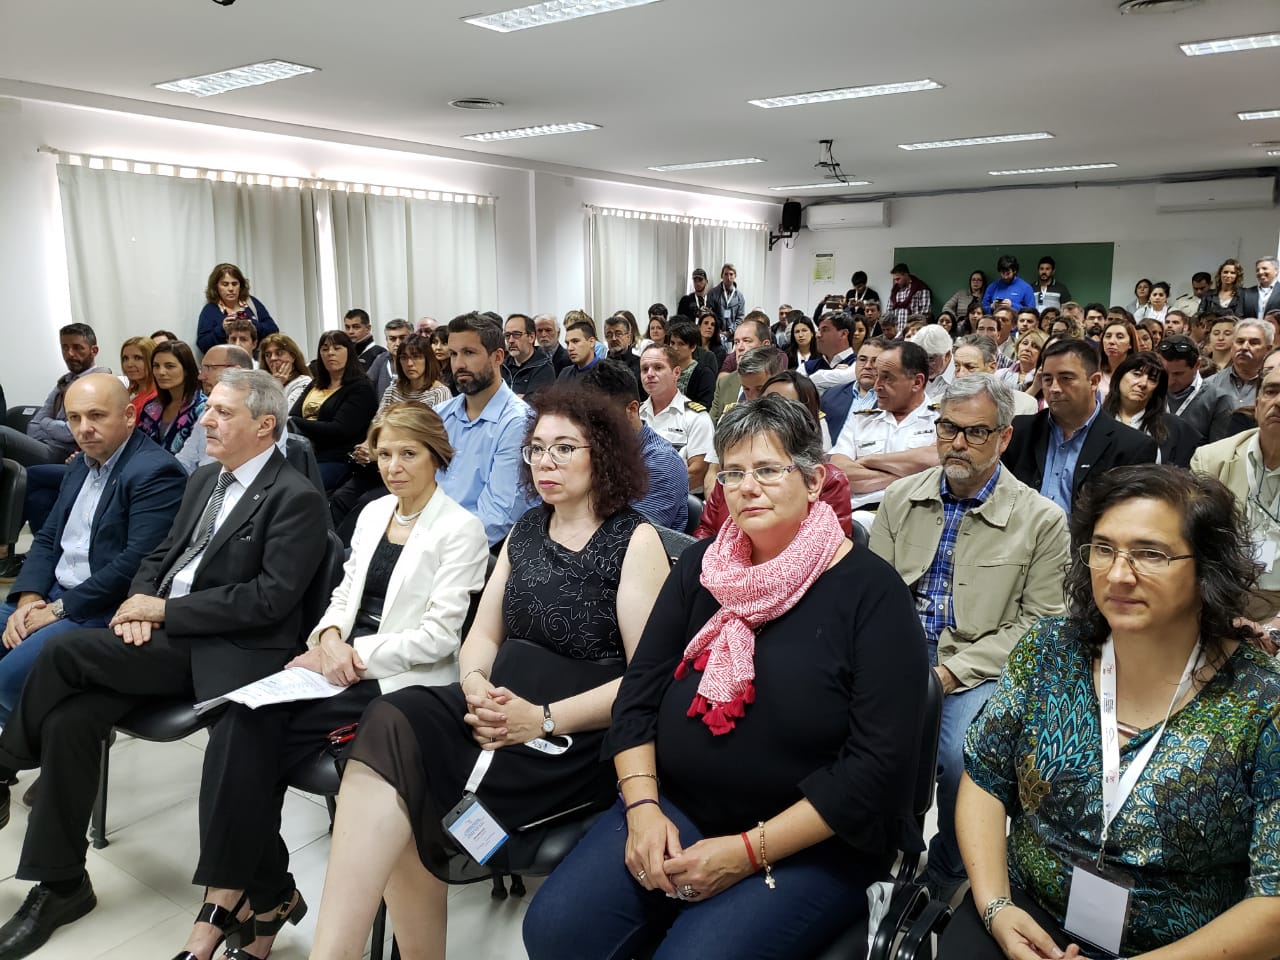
(841, 216)
(1254, 193)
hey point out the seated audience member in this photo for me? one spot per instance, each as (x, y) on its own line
(859, 393)
(1182, 843)
(393, 622)
(717, 779)
(114, 506)
(580, 342)
(243, 334)
(1119, 340)
(1026, 365)
(789, 385)
(527, 366)
(547, 328)
(1181, 359)
(160, 336)
(335, 412)
(1248, 464)
(680, 421)
(896, 438)
(665, 500)
(620, 338)
(1175, 324)
(1072, 440)
(227, 296)
(227, 356)
(1217, 345)
(561, 614)
(984, 556)
(135, 371)
(802, 347)
(440, 348)
(947, 321)
(356, 325)
(283, 359)
(978, 353)
(486, 425)
(697, 379)
(756, 335)
(755, 368)
(915, 324)
(1139, 392)
(693, 303)
(958, 303)
(383, 370)
(835, 346)
(1235, 386)
(425, 326)
(656, 331)
(937, 344)
(1154, 333)
(711, 338)
(179, 402)
(215, 606)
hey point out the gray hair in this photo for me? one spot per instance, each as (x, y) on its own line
(788, 420)
(983, 344)
(1268, 331)
(397, 324)
(763, 359)
(263, 395)
(935, 341)
(1271, 260)
(966, 388)
(241, 357)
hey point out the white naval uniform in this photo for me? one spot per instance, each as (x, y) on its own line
(683, 423)
(867, 432)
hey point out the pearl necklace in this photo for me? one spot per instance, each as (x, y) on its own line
(405, 521)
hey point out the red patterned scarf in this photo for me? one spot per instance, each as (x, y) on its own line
(750, 595)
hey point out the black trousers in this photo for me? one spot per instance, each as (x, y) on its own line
(363, 486)
(81, 684)
(247, 764)
(967, 939)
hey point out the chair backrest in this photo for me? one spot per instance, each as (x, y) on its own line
(299, 452)
(13, 494)
(18, 417)
(674, 542)
(316, 600)
(927, 771)
(695, 513)
(861, 538)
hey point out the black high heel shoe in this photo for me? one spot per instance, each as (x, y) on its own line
(290, 911)
(232, 926)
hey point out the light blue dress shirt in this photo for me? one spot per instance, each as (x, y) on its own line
(1060, 461)
(73, 566)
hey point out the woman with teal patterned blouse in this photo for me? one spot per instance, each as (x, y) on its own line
(1188, 865)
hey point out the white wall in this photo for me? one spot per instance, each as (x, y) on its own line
(540, 216)
(1161, 246)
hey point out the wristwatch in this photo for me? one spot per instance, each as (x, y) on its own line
(56, 609)
(548, 725)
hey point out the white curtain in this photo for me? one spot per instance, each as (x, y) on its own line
(744, 247)
(410, 257)
(636, 261)
(140, 247)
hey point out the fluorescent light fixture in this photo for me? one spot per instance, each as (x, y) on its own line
(704, 164)
(545, 14)
(253, 75)
(1067, 169)
(822, 186)
(1259, 41)
(847, 93)
(975, 141)
(542, 130)
(1259, 115)
(1273, 153)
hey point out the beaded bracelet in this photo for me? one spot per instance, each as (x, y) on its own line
(768, 872)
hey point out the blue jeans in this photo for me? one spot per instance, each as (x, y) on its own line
(43, 483)
(591, 908)
(946, 868)
(15, 664)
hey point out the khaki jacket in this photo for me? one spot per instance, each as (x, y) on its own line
(1011, 556)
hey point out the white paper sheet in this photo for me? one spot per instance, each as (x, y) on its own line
(291, 683)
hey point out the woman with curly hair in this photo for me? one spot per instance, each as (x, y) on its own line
(560, 616)
(1225, 299)
(1149, 675)
(227, 298)
(283, 358)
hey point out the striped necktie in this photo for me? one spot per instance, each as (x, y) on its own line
(203, 532)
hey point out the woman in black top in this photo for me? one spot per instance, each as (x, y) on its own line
(335, 412)
(1139, 391)
(769, 723)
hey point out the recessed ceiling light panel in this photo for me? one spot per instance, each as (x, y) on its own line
(545, 14)
(475, 103)
(704, 164)
(1158, 6)
(975, 141)
(1204, 48)
(822, 186)
(1065, 169)
(252, 75)
(847, 93)
(1259, 115)
(542, 130)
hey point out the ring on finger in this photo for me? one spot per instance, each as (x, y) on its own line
(688, 893)
(640, 875)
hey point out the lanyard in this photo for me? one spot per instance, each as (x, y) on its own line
(1255, 488)
(1194, 390)
(485, 760)
(1116, 788)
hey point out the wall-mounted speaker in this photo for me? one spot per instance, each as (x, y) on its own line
(791, 216)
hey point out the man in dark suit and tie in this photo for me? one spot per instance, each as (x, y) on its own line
(216, 606)
(115, 505)
(1260, 300)
(1059, 449)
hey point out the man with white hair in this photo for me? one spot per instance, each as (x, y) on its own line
(1235, 386)
(942, 369)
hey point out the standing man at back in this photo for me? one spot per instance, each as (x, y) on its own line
(727, 301)
(692, 304)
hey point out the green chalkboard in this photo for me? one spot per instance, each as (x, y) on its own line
(1084, 267)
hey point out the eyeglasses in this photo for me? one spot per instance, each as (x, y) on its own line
(977, 434)
(1177, 348)
(766, 476)
(1101, 556)
(561, 453)
(217, 366)
(514, 334)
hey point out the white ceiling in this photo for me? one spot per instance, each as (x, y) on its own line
(669, 81)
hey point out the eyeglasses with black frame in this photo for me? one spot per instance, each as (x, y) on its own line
(1144, 560)
(561, 453)
(766, 476)
(977, 434)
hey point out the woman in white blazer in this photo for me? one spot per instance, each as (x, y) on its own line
(395, 620)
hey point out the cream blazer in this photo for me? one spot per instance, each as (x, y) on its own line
(428, 594)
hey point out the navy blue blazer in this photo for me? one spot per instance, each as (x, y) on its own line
(133, 516)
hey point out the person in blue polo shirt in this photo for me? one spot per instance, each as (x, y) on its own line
(1010, 289)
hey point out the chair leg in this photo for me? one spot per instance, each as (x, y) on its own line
(331, 802)
(380, 933)
(98, 825)
(517, 885)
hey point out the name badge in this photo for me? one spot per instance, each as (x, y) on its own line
(474, 828)
(1097, 907)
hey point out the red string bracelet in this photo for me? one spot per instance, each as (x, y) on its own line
(751, 854)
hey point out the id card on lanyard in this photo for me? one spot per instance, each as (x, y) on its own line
(1098, 901)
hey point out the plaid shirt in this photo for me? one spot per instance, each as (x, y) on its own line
(933, 590)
